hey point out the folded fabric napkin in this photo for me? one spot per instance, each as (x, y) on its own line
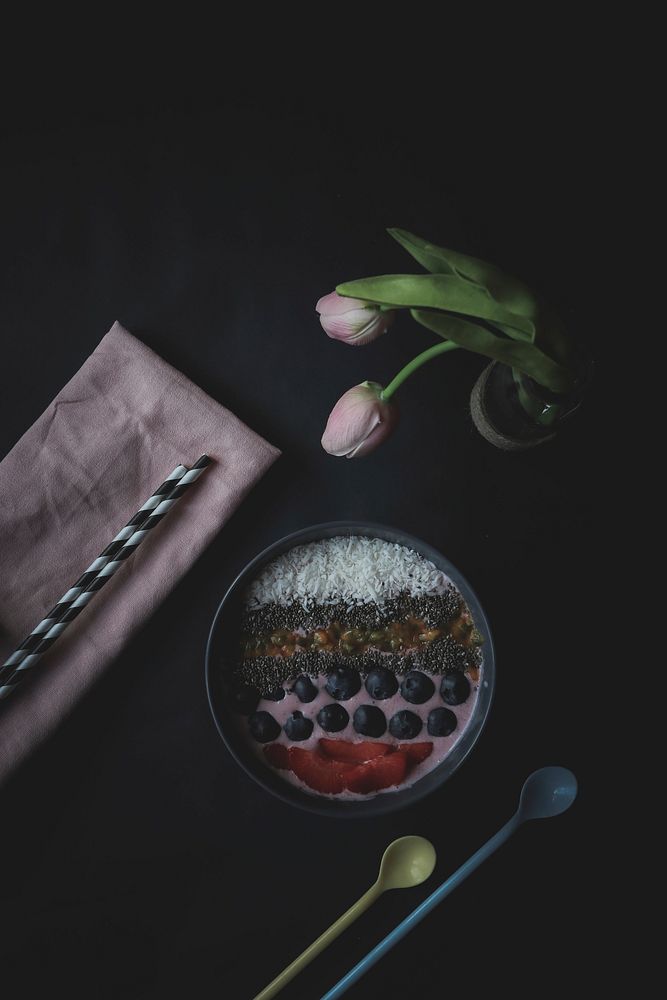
(115, 431)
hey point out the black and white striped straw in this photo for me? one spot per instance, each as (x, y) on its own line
(127, 547)
(114, 546)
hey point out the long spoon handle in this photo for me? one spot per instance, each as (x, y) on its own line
(418, 914)
(306, 957)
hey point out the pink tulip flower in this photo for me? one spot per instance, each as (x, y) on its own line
(359, 422)
(351, 320)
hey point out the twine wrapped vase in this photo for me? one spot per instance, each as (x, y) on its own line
(514, 412)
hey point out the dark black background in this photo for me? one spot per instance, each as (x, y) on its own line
(138, 861)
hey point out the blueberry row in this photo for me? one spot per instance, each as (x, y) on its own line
(416, 687)
(368, 720)
(344, 682)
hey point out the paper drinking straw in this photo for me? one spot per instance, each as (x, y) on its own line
(66, 600)
(128, 547)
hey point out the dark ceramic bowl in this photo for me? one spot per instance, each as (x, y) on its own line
(223, 643)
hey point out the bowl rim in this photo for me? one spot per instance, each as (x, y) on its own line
(382, 803)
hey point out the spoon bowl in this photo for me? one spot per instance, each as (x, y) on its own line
(407, 862)
(547, 792)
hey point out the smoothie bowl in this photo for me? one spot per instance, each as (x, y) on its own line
(350, 669)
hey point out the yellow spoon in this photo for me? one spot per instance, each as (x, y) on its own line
(407, 862)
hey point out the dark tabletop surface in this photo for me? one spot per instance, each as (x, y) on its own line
(138, 859)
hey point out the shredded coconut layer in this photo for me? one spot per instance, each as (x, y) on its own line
(353, 569)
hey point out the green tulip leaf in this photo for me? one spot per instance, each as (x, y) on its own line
(438, 291)
(509, 292)
(525, 357)
(429, 256)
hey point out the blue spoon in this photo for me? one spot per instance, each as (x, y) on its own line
(546, 792)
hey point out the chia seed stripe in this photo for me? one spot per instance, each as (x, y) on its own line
(104, 557)
(434, 610)
(128, 547)
(266, 673)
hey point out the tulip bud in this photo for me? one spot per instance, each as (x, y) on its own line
(359, 422)
(351, 320)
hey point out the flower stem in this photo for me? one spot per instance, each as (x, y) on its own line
(412, 366)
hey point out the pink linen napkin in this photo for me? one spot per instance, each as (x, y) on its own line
(107, 440)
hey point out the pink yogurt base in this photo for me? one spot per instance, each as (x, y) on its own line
(442, 745)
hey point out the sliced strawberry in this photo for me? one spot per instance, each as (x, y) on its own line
(379, 773)
(355, 752)
(417, 752)
(277, 756)
(319, 772)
